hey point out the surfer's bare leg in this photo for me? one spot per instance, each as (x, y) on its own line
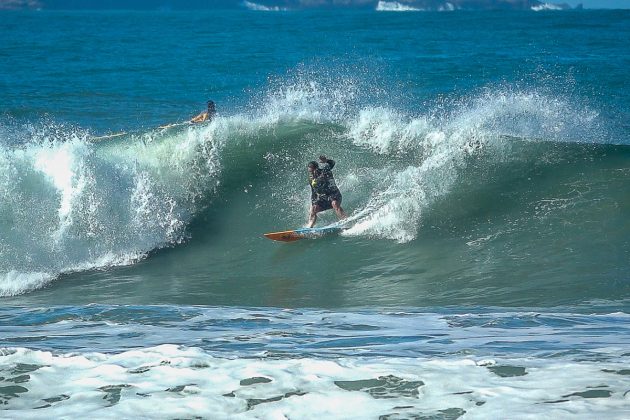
(338, 209)
(312, 218)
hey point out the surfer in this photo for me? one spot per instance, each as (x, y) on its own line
(207, 115)
(324, 192)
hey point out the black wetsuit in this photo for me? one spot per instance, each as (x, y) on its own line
(324, 190)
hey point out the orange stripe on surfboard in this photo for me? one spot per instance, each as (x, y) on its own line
(286, 236)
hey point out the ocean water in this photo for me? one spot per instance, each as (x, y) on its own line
(483, 157)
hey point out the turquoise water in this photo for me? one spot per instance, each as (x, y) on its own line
(483, 157)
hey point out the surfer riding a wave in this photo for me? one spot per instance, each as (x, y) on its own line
(324, 192)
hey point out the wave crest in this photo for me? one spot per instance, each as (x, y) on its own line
(74, 205)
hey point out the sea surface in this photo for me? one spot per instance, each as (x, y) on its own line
(484, 160)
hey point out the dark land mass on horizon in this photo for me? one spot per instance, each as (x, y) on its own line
(284, 4)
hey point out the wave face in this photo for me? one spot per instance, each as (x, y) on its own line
(527, 165)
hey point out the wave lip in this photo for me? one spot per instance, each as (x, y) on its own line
(439, 150)
(15, 283)
(71, 204)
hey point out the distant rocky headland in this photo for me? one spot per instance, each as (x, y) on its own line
(383, 5)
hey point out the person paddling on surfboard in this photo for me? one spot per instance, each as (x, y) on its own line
(324, 192)
(205, 115)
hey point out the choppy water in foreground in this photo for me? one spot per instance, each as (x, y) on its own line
(485, 273)
(304, 363)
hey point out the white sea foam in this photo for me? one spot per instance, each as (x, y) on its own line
(310, 100)
(15, 283)
(170, 381)
(386, 131)
(262, 8)
(394, 6)
(397, 206)
(438, 149)
(72, 205)
(546, 6)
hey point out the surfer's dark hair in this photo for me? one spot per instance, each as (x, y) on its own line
(312, 164)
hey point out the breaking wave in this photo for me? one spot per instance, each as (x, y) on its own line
(73, 203)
